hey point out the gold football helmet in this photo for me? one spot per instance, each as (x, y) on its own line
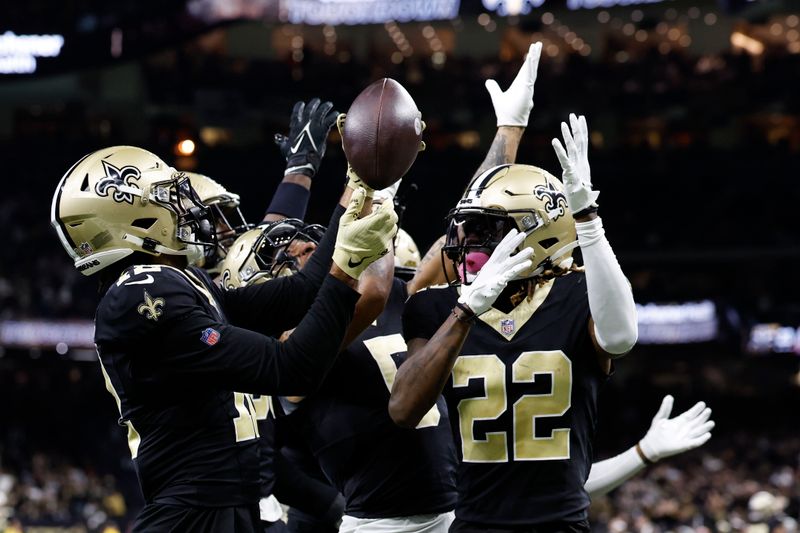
(225, 205)
(123, 199)
(524, 197)
(406, 255)
(264, 252)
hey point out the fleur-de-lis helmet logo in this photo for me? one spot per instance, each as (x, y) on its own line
(555, 201)
(115, 178)
(152, 308)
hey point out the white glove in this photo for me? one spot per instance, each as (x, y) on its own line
(387, 194)
(577, 176)
(513, 107)
(362, 241)
(671, 436)
(501, 268)
(269, 509)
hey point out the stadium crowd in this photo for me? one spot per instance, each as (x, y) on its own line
(732, 485)
(729, 486)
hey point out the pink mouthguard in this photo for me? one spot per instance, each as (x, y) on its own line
(474, 262)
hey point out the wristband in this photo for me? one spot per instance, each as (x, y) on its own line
(290, 200)
(306, 170)
(642, 456)
(584, 212)
(467, 315)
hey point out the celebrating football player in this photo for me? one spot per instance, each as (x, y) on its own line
(173, 347)
(525, 328)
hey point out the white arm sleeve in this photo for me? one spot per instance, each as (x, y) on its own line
(610, 295)
(607, 475)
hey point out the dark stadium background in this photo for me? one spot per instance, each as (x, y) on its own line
(694, 109)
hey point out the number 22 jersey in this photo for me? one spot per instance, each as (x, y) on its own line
(522, 399)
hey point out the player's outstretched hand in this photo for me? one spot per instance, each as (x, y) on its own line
(501, 268)
(513, 106)
(671, 436)
(576, 175)
(362, 241)
(304, 147)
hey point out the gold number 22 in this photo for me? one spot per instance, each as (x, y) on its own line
(494, 402)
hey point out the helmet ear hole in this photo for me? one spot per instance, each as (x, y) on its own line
(547, 243)
(144, 223)
(85, 184)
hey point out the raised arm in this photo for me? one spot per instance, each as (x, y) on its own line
(303, 149)
(513, 109)
(665, 438)
(613, 324)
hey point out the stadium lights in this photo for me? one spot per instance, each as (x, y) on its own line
(747, 43)
(185, 147)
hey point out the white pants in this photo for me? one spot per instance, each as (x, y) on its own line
(423, 523)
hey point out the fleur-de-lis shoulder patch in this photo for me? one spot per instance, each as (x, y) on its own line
(152, 308)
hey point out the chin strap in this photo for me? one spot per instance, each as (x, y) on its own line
(195, 254)
(157, 247)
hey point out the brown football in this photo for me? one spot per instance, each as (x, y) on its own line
(382, 133)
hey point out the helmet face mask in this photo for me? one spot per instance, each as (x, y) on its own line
(523, 197)
(195, 221)
(265, 253)
(230, 222)
(285, 239)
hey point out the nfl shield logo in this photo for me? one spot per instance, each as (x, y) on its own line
(210, 336)
(507, 326)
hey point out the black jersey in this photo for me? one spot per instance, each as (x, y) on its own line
(172, 359)
(523, 404)
(381, 469)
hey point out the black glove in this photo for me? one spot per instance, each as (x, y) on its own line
(308, 133)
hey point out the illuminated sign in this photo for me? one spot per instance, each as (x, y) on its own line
(591, 4)
(523, 7)
(46, 333)
(774, 338)
(18, 53)
(677, 323)
(366, 11)
(511, 7)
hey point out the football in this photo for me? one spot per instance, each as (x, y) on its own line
(382, 134)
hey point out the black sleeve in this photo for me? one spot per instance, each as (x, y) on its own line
(197, 346)
(279, 304)
(424, 313)
(320, 262)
